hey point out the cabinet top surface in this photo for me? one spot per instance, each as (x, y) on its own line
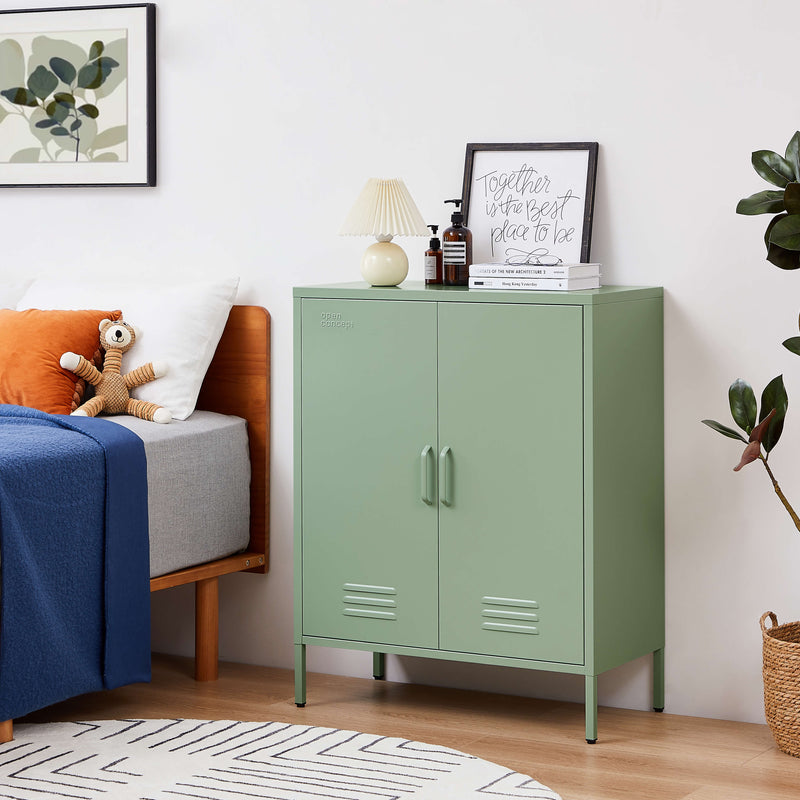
(417, 290)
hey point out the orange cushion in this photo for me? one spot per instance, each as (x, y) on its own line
(31, 345)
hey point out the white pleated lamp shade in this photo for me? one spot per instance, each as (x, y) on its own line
(384, 209)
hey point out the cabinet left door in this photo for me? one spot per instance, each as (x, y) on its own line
(369, 505)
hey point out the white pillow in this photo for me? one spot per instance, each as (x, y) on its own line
(10, 293)
(178, 324)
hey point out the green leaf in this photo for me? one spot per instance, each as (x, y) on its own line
(793, 345)
(42, 82)
(30, 155)
(786, 232)
(96, 50)
(118, 50)
(773, 396)
(770, 201)
(792, 197)
(783, 259)
(89, 110)
(93, 74)
(12, 63)
(20, 96)
(772, 223)
(64, 99)
(725, 431)
(111, 137)
(63, 68)
(742, 401)
(59, 131)
(56, 111)
(773, 168)
(106, 157)
(46, 123)
(75, 125)
(793, 153)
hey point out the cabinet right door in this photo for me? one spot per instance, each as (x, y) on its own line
(510, 383)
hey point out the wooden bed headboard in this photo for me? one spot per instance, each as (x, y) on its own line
(238, 382)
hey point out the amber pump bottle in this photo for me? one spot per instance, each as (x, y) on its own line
(433, 259)
(457, 255)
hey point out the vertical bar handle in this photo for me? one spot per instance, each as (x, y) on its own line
(425, 477)
(444, 477)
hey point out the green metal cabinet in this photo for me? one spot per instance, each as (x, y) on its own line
(479, 477)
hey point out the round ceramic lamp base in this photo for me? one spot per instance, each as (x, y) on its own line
(384, 264)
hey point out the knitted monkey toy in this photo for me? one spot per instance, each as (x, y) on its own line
(112, 388)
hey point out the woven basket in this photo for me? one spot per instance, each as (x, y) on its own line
(782, 682)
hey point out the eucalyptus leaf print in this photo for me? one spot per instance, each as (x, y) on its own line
(68, 93)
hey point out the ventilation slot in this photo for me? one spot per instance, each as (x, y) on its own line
(509, 615)
(372, 602)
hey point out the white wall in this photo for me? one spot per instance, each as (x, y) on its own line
(273, 114)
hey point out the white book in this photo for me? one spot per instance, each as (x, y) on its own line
(536, 284)
(534, 270)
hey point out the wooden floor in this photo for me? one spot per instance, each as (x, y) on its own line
(639, 755)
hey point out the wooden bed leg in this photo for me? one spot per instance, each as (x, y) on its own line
(6, 731)
(206, 629)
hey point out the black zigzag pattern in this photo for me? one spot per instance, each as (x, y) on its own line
(139, 759)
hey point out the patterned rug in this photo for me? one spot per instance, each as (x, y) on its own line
(225, 760)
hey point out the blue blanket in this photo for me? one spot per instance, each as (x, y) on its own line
(74, 558)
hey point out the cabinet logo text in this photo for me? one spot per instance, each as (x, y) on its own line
(333, 319)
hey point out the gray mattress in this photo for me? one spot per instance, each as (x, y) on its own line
(198, 481)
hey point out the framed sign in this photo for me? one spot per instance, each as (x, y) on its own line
(530, 203)
(77, 96)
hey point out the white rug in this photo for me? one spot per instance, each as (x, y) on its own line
(224, 760)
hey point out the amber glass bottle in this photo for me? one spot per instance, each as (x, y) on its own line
(433, 259)
(457, 249)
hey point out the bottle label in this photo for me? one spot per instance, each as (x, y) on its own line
(455, 252)
(430, 268)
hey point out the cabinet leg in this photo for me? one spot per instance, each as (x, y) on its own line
(379, 666)
(591, 709)
(300, 675)
(658, 679)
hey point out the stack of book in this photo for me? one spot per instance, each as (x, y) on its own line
(535, 277)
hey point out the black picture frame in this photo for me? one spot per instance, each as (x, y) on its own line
(518, 201)
(101, 108)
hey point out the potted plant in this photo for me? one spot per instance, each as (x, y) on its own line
(763, 428)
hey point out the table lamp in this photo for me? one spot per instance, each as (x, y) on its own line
(384, 209)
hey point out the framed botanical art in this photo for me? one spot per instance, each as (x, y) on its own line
(530, 203)
(77, 96)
